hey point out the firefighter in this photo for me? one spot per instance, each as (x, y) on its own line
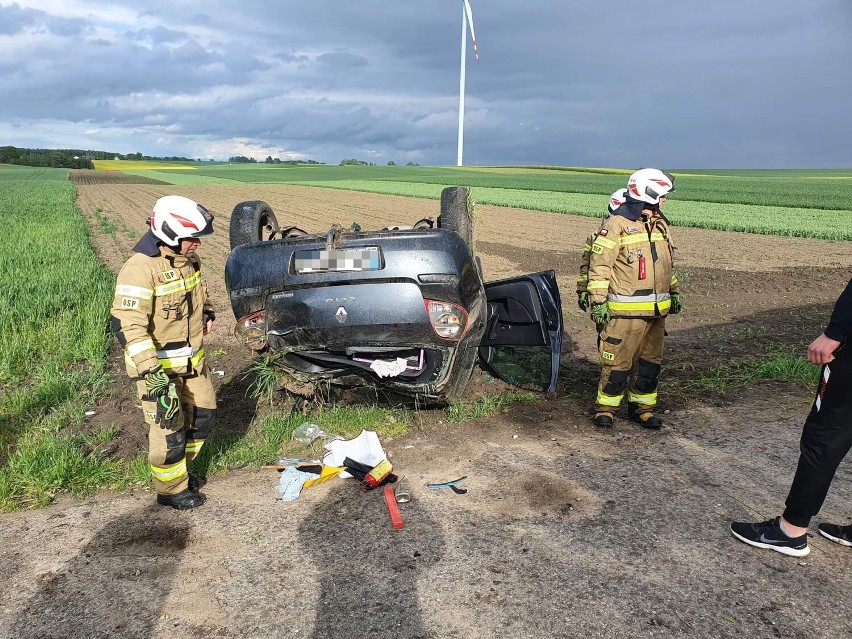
(631, 291)
(615, 200)
(160, 314)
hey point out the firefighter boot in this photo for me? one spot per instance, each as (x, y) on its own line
(196, 483)
(182, 501)
(604, 420)
(644, 418)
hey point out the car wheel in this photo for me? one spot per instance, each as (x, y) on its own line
(252, 222)
(457, 213)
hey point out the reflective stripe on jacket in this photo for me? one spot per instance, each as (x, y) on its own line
(158, 313)
(617, 253)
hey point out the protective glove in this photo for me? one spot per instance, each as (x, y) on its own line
(600, 313)
(156, 382)
(168, 409)
(676, 306)
(583, 300)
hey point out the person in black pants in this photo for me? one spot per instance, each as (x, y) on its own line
(826, 440)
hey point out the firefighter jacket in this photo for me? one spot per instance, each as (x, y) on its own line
(158, 310)
(583, 279)
(631, 265)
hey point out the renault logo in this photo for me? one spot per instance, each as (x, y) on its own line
(341, 315)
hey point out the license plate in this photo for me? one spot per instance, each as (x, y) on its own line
(365, 258)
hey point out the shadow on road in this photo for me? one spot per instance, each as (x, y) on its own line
(369, 571)
(116, 586)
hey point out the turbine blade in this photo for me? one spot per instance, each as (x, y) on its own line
(469, 14)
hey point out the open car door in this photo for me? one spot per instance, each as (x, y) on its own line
(523, 331)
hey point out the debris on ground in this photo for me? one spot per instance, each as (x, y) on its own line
(452, 484)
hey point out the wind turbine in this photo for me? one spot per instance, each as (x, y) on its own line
(467, 19)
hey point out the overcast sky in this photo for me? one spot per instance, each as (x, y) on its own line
(729, 83)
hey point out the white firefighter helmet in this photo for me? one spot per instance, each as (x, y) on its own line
(176, 217)
(649, 185)
(616, 200)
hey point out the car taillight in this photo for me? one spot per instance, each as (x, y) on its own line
(448, 320)
(251, 331)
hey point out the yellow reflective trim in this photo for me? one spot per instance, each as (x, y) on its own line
(609, 400)
(605, 242)
(181, 285)
(194, 445)
(631, 306)
(674, 280)
(139, 347)
(166, 362)
(583, 278)
(125, 290)
(648, 398)
(168, 473)
(639, 238)
(587, 247)
(599, 284)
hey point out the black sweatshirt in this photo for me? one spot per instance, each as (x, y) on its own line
(840, 324)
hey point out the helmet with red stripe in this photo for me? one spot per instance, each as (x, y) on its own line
(176, 217)
(616, 200)
(649, 185)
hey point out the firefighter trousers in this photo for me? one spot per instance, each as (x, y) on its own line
(826, 440)
(631, 352)
(170, 450)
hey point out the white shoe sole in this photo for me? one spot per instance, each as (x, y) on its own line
(836, 540)
(784, 550)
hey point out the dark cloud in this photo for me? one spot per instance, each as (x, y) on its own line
(15, 19)
(606, 84)
(337, 60)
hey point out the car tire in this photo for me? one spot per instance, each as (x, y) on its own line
(457, 213)
(252, 222)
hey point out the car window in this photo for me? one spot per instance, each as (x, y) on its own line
(523, 366)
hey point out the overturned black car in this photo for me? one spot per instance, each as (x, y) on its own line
(402, 308)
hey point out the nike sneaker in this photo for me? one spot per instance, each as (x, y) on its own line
(768, 534)
(838, 534)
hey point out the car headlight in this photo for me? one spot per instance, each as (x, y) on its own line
(251, 331)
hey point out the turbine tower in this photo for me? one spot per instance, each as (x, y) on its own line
(467, 19)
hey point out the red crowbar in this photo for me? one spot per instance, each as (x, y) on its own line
(390, 500)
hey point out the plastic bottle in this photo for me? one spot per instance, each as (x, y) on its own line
(308, 432)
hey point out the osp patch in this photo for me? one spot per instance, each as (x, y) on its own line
(168, 276)
(130, 303)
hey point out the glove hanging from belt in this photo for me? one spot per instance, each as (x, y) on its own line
(156, 382)
(168, 409)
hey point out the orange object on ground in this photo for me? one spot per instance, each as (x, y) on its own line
(390, 500)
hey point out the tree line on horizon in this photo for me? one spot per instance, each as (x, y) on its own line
(71, 158)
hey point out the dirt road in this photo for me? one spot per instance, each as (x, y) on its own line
(565, 530)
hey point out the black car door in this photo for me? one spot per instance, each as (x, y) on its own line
(523, 331)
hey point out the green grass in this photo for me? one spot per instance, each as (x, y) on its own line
(54, 305)
(182, 178)
(486, 405)
(779, 366)
(271, 437)
(799, 190)
(12, 172)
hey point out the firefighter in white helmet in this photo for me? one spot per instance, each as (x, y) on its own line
(632, 289)
(615, 200)
(160, 314)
